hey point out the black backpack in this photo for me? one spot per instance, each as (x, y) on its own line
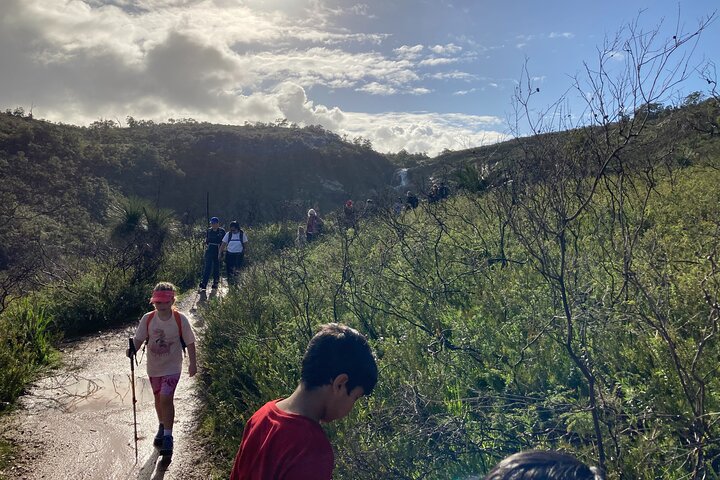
(231, 239)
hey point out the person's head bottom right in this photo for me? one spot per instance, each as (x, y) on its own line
(542, 465)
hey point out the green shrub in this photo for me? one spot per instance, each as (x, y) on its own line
(473, 354)
(25, 346)
(101, 297)
(266, 240)
(183, 261)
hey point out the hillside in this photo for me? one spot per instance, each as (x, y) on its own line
(59, 182)
(685, 134)
(251, 172)
(571, 306)
(566, 297)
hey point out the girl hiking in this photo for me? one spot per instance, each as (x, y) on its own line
(167, 332)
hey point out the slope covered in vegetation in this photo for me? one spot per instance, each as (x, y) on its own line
(63, 186)
(571, 303)
(91, 217)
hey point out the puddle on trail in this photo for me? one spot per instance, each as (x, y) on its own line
(73, 393)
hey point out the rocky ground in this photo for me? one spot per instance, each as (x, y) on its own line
(78, 422)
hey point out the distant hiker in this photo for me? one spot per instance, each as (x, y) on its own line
(349, 212)
(284, 439)
(434, 193)
(443, 190)
(538, 464)
(313, 226)
(411, 200)
(167, 332)
(397, 206)
(300, 240)
(370, 208)
(213, 240)
(234, 244)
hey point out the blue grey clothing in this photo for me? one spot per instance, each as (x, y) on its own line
(214, 238)
(212, 264)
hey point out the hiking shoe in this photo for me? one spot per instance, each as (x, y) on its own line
(167, 445)
(158, 440)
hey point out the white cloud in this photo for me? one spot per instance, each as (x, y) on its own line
(376, 88)
(408, 52)
(362, 9)
(454, 75)
(464, 92)
(449, 49)
(423, 132)
(437, 61)
(76, 61)
(295, 106)
(561, 35)
(323, 66)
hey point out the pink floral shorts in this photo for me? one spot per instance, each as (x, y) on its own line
(165, 385)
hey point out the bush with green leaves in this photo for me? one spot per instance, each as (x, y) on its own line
(494, 334)
(26, 340)
(182, 260)
(101, 297)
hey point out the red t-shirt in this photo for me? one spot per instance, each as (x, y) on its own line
(277, 445)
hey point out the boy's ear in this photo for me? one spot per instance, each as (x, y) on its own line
(340, 382)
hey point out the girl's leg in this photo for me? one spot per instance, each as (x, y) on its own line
(167, 407)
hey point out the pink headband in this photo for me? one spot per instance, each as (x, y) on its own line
(162, 296)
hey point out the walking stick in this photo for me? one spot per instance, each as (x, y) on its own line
(131, 353)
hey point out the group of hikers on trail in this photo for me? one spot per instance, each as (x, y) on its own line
(232, 244)
(284, 440)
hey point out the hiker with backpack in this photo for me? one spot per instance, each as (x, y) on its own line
(213, 240)
(167, 333)
(411, 200)
(234, 245)
(349, 213)
(313, 226)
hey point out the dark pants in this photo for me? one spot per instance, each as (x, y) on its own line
(233, 262)
(212, 264)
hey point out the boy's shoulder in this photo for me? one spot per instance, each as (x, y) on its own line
(287, 428)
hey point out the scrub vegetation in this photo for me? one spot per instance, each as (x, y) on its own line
(565, 297)
(498, 328)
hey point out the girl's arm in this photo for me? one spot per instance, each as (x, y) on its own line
(192, 368)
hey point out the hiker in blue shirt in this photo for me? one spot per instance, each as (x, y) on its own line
(213, 240)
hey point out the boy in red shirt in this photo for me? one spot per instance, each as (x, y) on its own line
(283, 440)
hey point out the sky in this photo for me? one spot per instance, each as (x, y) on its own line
(419, 75)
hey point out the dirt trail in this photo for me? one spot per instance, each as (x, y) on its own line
(77, 423)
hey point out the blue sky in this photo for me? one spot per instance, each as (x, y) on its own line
(420, 75)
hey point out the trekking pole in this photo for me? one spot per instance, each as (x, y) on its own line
(132, 352)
